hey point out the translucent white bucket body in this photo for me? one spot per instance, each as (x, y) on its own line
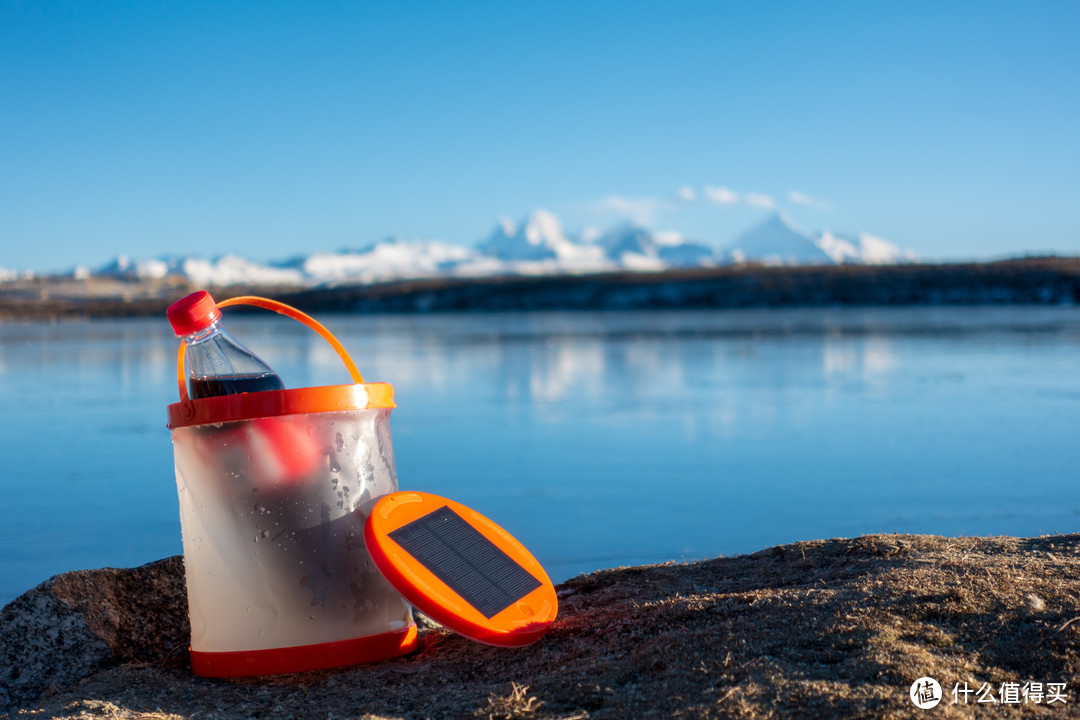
(274, 537)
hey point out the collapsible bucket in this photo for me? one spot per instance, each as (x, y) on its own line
(275, 488)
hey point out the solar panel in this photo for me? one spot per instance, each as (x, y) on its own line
(470, 564)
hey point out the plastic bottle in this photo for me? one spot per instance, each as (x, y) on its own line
(217, 364)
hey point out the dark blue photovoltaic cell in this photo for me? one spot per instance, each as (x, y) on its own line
(470, 564)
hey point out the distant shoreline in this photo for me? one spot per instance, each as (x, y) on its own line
(1025, 281)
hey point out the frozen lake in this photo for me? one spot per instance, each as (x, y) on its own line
(598, 439)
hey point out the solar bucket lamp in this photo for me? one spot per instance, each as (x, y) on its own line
(299, 551)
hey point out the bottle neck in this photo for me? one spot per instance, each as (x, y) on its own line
(200, 335)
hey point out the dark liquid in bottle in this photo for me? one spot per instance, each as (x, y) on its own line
(232, 385)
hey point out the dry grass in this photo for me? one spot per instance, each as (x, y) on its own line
(837, 628)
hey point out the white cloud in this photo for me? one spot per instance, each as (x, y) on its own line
(642, 211)
(725, 196)
(801, 198)
(647, 210)
(759, 200)
(721, 195)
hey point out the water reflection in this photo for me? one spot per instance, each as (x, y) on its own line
(550, 364)
(869, 358)
(598, 438)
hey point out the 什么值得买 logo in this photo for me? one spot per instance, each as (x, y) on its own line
(925, 693)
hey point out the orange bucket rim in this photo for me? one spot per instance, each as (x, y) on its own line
(269, 403)
(275, 403)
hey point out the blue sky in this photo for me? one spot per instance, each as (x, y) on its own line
(274, 128)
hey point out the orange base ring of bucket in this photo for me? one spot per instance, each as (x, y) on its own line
(323, 656)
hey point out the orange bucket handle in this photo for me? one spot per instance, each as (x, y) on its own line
(281, 309)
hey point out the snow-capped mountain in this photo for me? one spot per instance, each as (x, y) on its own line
(225, 270)
(634, 247)
(540, 246)
(540, 237)
(863, 248)
(537, 246)
(631, 247)
(387, 260)
(124, 268)
(236, 270)
(777, 241)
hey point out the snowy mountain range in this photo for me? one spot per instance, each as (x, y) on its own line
(777, 241)
(537, 246)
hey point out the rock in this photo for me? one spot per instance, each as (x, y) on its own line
(829, 628)
(80, 622)
(45, 643)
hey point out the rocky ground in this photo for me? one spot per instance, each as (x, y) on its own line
(833, 628)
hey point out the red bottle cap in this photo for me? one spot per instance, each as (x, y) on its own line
(193, 313)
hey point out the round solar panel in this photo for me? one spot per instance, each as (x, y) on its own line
(460, 569)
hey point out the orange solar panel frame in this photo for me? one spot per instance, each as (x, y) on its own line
(523, 621)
